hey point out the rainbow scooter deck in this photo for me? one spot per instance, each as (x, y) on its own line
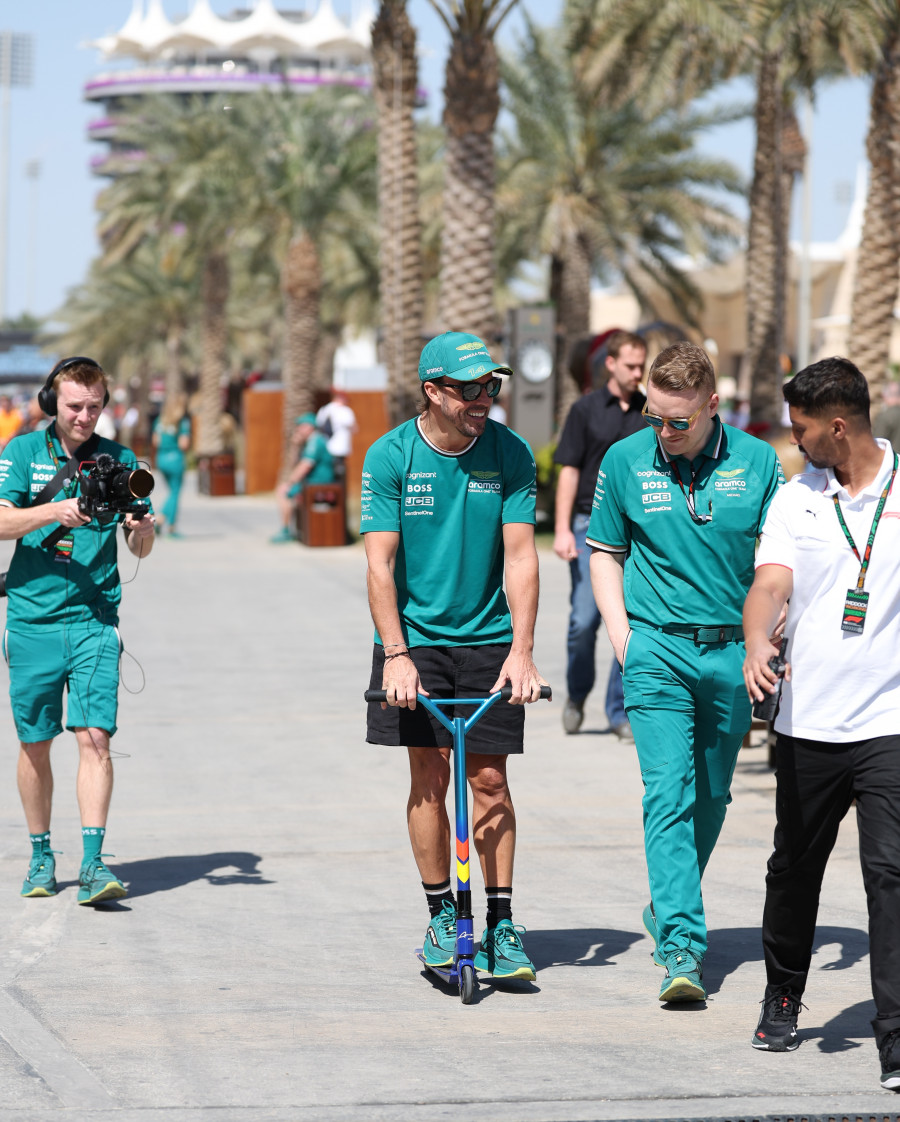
(462, 971)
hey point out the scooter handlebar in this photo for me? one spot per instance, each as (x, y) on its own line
(504, 691)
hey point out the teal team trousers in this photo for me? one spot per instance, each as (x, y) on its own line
(689, 712)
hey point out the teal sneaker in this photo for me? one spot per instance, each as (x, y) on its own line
(439, 945)
(502, 954)
(649, 918)
(683, 980)
(283, 535)
(97, 884)
(41, 878)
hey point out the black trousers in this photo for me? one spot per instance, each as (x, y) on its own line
(816, 785)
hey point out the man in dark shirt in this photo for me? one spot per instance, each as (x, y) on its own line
(595, 422)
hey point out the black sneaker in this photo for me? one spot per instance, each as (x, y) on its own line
(777, 1028)
(889, 1054)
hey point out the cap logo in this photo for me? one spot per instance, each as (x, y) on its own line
(477, 345)
(435, 370)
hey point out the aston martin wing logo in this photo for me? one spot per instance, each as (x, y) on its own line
(485, 474)
(730, 474)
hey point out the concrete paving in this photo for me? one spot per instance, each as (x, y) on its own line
(262, 965)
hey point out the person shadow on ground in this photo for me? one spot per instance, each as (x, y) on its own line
(579, 946)
(731, 947)
(160, 874)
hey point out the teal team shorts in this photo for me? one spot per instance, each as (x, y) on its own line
(82, 660)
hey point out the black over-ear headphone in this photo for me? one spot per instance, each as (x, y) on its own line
(47, 394)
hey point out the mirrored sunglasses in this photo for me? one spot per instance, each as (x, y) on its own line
(680, 424)
(471, 391)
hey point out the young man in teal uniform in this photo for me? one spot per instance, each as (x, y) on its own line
(677, 511)
(62, 618)
(448, 511)
(315, 465)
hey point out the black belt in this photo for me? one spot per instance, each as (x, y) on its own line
(701, 634)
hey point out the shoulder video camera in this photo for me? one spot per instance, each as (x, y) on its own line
(110, 488)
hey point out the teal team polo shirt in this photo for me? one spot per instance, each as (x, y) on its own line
(678, 571)
(316, 449)
(44, 593)
(449, 510)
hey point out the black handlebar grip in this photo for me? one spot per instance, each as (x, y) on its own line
(506, 693)
(375, 695)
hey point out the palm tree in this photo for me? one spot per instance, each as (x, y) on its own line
(604, 190)
(191, 179)
(876, 281)
(315, 181)
(471, 104)
(684, 46)
(126, 309)
(402, 295)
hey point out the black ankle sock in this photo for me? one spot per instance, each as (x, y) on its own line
(499, 905)
(436, 894)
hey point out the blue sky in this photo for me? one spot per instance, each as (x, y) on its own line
(48, 123)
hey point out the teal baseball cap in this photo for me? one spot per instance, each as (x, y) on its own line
(456, 355)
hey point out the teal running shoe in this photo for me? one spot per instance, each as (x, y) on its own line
(649, 918)
(41, 879)
(439, 945)
(502, 954)
(97, 884)
(684, 977)
(283, 535)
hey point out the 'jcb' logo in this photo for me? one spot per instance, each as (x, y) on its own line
(420, 500)
(656, 497)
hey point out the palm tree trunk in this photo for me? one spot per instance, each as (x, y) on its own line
(876, 281)
(471, 103)
(760, 375)
(214, 347)
(174, 381)
(301, 285)
(402, 299)
(571, 296)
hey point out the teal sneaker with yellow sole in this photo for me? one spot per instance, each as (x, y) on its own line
(97, 884)
(41, 878)
(502, 955)
(684, 978)
(439, 944)
(649, 918)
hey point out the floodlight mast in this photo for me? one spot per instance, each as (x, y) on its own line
(15, 70)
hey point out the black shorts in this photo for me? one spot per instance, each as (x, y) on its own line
(449, 672)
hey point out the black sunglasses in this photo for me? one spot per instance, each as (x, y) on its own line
(471, 391)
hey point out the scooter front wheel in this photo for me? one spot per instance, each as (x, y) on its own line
(466, 983)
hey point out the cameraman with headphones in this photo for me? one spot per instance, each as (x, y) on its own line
(62, 616)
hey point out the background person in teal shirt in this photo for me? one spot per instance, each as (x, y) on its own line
(314, 465)
(172, 440)
(62, 613)
(677, 511)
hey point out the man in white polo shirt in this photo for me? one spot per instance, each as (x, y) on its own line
(830, 545)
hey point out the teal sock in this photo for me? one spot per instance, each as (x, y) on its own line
(40, 843)
(92, 839)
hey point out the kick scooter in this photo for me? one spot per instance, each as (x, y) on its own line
(462, 970)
